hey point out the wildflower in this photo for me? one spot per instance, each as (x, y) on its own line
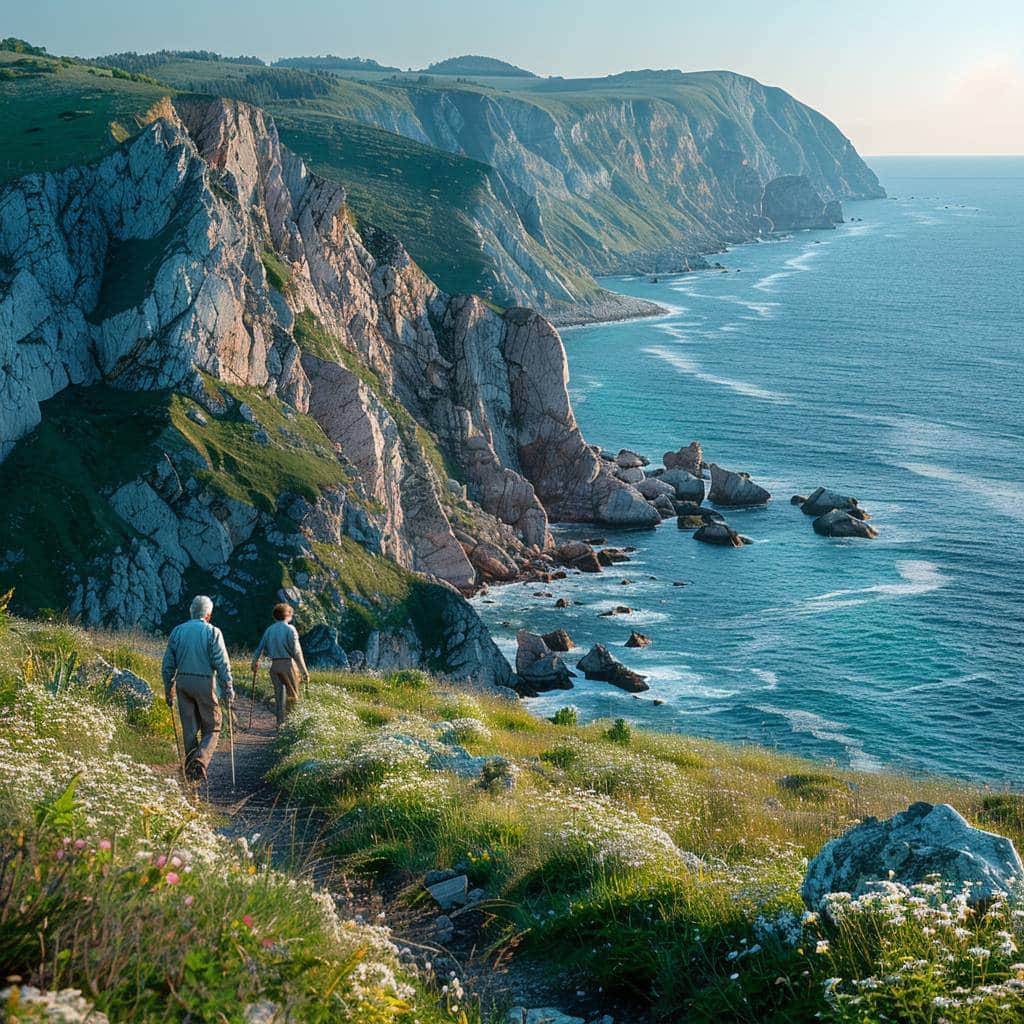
(247, 920)
(172, 878)
(189, 900)
(822, 946)
(105, 844)
(80, 844)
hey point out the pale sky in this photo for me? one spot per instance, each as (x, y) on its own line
(908, 76)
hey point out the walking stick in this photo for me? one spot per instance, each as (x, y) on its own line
(252, 701)
(231, 744)
(178, 745)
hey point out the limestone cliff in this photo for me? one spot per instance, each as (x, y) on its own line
(203, 261)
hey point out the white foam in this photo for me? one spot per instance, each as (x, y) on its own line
(769, 678)
(769, 281)
(1002, 495)
(917, 576)
(687, 366)
(802, 261)
(825, 730)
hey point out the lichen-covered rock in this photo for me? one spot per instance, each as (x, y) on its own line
(908, 848)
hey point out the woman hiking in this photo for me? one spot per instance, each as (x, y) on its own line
(281, 644)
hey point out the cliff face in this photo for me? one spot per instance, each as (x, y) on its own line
(624, 168)
(317, 393)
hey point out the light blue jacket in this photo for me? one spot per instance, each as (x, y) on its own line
(281, 640)
(197, 648)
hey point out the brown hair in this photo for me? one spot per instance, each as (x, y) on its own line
(281, 611)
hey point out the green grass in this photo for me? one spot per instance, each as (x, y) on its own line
(577, 860)
(279, 273)
(64, 113)
(114, 884)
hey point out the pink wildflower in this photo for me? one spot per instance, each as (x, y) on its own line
(247, 920)
(175, 862)
(161, 861)
(189, 900)
(79, 844)
(267, 943)
(105, 844)
(59, 855)
(172, 878)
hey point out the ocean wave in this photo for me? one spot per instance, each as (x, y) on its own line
(826, 731)
(769, 281)
(769, 678)
(806, 257)
(1005, 497)
(687, 366)
(918, 577)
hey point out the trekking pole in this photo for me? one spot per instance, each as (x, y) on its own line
(252, 701)
(178, 745)
(231, 745)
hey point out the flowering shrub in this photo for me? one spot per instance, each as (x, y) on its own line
(463, 730)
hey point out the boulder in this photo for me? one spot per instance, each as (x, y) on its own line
(132, 689)
(797, 499)
(720, 533)
(538, 668)
(687, 486)
(562, 602)
(598, 663)
(610, 556)
(841, 524)
(924, 840)
(619, 609)
(690, 458)
(578, 555)
(322, 650)
(631, 475)
(558, 640)
(663, 503)
(654, 487)
(627, 459)
(735, 489)
(820, 501)
(638, 640)
(689, 522)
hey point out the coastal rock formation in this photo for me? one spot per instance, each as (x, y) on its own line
(721, 534)
(908, 848)
(538, 668)
(558, 640)
(203, 260)
(638, 640)
(689, 459)
(687, 486)
(791, 203)
(598, 663)
(822, 500)
(841, 524)
(735, 489)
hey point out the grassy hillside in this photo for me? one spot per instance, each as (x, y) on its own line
(115, 884)
(652, 869)
(57, 113)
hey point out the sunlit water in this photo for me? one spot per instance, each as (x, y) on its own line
(883, 359)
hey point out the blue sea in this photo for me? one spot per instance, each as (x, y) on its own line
(884, 359)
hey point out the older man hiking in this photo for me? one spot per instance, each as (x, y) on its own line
(280, 643)
(195, 655)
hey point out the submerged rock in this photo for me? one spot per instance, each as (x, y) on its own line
(841, 524)
(735, 489)
(638, 640)
(610, 556)
(908, 848)
(598, 663)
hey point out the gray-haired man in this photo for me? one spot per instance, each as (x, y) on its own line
(195, 655)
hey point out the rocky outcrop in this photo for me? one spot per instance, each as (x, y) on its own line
(599, 663)
(687, 487)
(909, 848)
(791, 203)
(689, 459)
(735, 489)
(720, 534)
(558, 640)
(822, 500)
(538, 669)
(841, 524)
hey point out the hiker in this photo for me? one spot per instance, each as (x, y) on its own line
(195, 655)
(280, 643)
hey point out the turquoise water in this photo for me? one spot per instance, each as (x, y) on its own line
(884, 359)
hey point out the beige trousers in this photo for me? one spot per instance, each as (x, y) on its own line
(199, 712)
(285, 676)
